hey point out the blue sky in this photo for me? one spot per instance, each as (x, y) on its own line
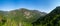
(41, 5)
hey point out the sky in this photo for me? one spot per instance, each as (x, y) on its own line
(40, 5)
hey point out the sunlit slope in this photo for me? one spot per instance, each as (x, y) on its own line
(21, 17)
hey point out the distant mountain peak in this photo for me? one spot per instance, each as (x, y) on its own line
(23, 9)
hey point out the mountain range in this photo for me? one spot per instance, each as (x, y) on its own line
(25, 17)
(20, 17)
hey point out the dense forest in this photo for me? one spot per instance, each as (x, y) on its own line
(51, 19)
(25, 17)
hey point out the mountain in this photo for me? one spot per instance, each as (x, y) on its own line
(25, 15)
(21, 17)
(51, 19)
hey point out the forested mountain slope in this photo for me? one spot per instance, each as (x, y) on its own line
(20, 17)
(51, 19)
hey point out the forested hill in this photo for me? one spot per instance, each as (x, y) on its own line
(19, 17)
(25, 14)
(51, 19)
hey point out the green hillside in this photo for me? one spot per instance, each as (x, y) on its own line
(19, 17)
(51, 19)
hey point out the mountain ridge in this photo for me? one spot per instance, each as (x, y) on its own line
(21, 16)
(51, 19)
